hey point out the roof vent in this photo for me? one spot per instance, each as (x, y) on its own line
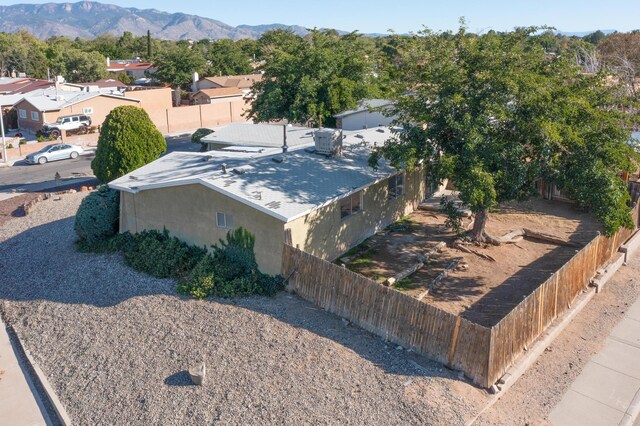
(207, 158)
(239, 171)
(278, 159)
(224, 168)
(328, 141)
(132, 177)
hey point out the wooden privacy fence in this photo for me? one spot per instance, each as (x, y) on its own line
(484, 354)
(399, 318)
(527, 321)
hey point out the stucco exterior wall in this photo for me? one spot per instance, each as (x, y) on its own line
(152, 99)
(363, 120)
(101, 105)
(189, 213)
(325, 234)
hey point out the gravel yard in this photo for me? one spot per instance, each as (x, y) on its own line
(115, 345)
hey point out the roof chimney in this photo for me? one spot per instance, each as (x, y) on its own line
(285, 148)
(108, 62)
(224, 168)
(194, 83)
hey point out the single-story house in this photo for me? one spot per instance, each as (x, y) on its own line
(13, 86)
(217, 95)
(134, 68)
(242, 82)
(368, 113)
(323, 205)
(243, 135)
(45, 106)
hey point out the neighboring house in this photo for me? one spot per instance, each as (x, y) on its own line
(14, 86)
(105, 84)
(45, 106)
(322, 205)
(217, 95)
(134, 68)
(240, 136)
(242, 82)
(368, 113)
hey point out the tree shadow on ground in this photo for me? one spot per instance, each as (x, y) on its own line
(502, 299)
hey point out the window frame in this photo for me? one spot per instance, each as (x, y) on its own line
(35, 116)
(228, 220)
(22, 113)
(399, 181)
(360, 197)
(87, 111)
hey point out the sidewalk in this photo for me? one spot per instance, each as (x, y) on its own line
(607, 392)
(19, 405)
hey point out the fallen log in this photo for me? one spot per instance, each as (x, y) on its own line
(415, 267)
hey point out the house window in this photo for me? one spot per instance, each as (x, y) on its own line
(23, 113)
(35, 116)
(395, 186)
(351, 204)
(87, 110)
(224, 220)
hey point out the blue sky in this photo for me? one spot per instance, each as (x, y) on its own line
(404, 15)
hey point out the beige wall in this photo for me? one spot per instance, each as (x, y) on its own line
(152, 99)
(189, 213)
(102, 106)
(325, 234)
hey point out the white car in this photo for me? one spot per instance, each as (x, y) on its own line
(53, 153)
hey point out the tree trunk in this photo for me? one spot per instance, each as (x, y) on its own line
(477, 232)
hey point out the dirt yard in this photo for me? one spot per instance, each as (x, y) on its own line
(481, 290)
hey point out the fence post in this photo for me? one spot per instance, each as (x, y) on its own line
(454, 341)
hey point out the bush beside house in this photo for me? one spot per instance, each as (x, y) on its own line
(128, 141)
(98, 217)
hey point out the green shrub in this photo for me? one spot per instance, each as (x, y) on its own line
(97, 218)
(22, 142)
(40, 138)
(9, 146)
(197, 136)
(160, 255)
(454, 216)
(201, 280)
(128, 140)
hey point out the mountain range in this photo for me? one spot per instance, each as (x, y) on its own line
(88, 19)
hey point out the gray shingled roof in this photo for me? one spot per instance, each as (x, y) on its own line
(287, 190)
(54, 100)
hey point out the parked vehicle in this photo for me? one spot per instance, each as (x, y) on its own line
(53, 153)
(67, 122)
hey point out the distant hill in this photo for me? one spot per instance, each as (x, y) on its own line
(584, 33)
(88, 19)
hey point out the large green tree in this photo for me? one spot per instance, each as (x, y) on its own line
(496, 112)
(176, 66)
(128, 140)
(311, 78)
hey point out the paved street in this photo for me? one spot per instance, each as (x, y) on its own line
(607, 392)
(23, 177)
